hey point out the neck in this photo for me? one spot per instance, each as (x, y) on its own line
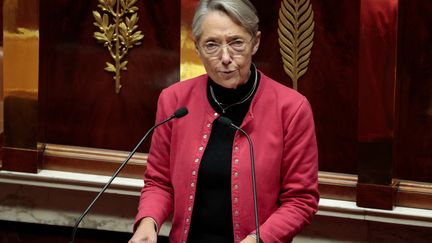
(225, 98)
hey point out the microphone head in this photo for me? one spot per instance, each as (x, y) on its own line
(181, 112)
(225, 121)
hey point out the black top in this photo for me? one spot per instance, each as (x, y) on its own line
(212, 214)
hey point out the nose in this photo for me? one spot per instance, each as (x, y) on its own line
(226, 56)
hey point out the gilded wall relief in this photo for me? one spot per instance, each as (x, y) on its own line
(120, 36)
(296, 32)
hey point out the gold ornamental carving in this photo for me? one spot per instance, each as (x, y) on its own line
(119, 36)
(296, 33)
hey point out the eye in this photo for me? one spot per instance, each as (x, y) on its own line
(239, 43)
(211, 46)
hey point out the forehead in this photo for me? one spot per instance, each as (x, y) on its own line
(218, 25)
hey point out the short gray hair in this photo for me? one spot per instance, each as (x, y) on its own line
(241, 11)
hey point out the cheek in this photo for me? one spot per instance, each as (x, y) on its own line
(209, 66)
(244, 64)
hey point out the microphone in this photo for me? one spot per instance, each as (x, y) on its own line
(227, 122)
(181, 112)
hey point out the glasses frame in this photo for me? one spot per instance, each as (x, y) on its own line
(230, 50)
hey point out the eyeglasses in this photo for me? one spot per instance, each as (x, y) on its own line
(235, 47)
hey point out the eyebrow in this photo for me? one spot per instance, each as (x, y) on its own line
(229, 38)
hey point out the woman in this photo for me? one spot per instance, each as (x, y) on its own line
(199, 170)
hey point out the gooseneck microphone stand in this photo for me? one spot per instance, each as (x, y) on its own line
(177, 114)
(227, 122)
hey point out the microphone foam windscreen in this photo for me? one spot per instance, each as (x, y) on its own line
(181, 112)
(225, 121)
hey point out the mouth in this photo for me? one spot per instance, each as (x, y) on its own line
(228, 71)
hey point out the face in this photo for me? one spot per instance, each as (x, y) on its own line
(229, 66)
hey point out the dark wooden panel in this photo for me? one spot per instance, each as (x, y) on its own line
(20, 152)
(413, 160)
(377, 80)
(377, 70)
(376, 196)
(414, 194)
(26, 16)
(331, 83)
(337, 186)
(20, 123)
(78, 103)
(22, 160)
(375, 162)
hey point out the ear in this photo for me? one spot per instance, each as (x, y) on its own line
(257, 42)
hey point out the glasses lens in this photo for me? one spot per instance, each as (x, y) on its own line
(211, 48)
(235, 47)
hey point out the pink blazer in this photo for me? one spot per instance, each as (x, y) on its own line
(280, 125)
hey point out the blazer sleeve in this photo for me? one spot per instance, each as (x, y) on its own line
(156, 199)
(299, 194)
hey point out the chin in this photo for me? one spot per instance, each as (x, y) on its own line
(232, 84)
